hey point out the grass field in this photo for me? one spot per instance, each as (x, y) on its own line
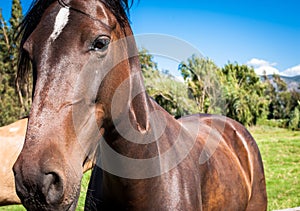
(280, 151)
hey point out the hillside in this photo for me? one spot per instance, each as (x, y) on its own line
(293, 83)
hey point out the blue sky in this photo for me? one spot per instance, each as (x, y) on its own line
(264, 34)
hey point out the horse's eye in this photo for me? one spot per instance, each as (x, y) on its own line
(100, 44)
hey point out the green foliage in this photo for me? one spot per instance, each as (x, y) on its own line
(294, 122)
(9, 108)
(235, 90)
(203, 80)
(280, 96)
(14, 100)
(169, 93)
(16, 15)
(148, 66)
(284, 102)
(280, 84)
(244, 94)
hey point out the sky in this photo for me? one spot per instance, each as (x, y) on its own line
(263, 34)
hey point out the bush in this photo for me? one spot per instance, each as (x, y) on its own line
(281, 123)
(294, 122)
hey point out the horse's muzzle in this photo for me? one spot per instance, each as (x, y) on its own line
(41, 188)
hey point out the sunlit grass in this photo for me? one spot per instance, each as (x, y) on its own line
(280, 149)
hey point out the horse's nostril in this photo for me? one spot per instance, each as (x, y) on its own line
(53, 188)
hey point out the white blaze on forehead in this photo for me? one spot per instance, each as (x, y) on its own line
(61, 21)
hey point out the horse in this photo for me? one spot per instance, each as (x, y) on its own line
(12, 138)
(89, 102)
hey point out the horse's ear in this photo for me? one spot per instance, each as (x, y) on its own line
(139, 109)
(139, 104)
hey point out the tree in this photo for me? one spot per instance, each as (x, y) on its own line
(10, 101)
(283, 101)
(203, 79)
(279, 98)
(169, 93)
(244, 94)
(294, 121)
(280, 84)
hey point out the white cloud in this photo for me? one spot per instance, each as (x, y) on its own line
(292, 71)
(269, 70)
(258, 62)
(260, 66)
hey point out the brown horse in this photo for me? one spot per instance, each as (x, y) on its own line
(12, 138)
(89, 102)
(11, 142)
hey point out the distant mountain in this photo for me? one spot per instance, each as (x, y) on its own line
(293, 82)
(291, 79)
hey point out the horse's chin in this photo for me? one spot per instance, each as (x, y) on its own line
(36, 204)
(72, 206)
(62, 207)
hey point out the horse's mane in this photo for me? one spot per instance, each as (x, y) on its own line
(120, 9)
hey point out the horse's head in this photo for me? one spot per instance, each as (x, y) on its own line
(80, 56)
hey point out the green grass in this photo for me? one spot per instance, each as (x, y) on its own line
(84, 188)
(280, 151)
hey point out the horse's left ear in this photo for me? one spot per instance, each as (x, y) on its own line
(139, 104)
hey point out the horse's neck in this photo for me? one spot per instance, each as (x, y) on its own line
(153, 164)
(146, 130)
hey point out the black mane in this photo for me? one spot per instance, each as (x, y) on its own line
(120, 9)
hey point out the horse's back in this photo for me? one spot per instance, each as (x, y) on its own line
(11, 142)
(231, 165)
